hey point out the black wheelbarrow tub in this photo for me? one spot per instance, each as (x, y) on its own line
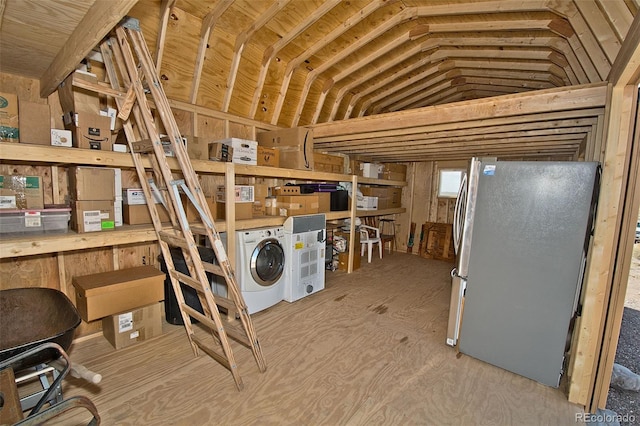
(32, 316)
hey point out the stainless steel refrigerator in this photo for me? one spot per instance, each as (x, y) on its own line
(521, 233)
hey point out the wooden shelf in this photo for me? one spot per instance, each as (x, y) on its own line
(38, 244)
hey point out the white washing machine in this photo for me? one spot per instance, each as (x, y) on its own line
(305, 239)
(260, 267)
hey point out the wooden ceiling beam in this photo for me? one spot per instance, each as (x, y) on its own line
(240, 44)
(554, 118)
(208, 22)
(271, 51)
(96, 24)
(293, 65)
(165, 13)
(572, 98)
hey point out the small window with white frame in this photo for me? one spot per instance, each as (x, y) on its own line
(449, 183)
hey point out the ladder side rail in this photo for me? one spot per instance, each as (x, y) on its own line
(188, 173)
(108, 51)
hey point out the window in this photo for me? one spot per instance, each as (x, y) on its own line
(449, 183)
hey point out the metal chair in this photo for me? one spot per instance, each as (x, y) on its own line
(369, 239)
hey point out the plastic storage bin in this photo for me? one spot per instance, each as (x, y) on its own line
(36, 221)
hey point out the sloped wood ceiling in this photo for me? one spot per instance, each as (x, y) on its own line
(302, 62)
(312, 62)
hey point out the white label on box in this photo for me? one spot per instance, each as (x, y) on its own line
(125, 322)
(8, 202)
(111, 113)
(135, 196)
(61, 137)
(134, 335)
(119, 147)
(91, 220)
(32, 220)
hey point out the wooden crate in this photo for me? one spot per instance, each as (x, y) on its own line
(437, 241)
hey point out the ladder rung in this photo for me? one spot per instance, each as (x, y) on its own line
(198, 229)
(143, 146)
(172, 239)
(214, 269)
(212, 353)
(186, 279)
(231, 330)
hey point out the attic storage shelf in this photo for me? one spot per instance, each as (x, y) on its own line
(129, 234)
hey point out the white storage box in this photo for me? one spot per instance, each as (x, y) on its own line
(18, 222)
(244, 151)
(367, 203)
(372, 170)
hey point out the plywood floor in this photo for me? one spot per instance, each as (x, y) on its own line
(368, 350)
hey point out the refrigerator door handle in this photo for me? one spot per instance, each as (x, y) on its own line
(458, 214)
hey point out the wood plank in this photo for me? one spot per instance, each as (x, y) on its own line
(585, 96)
(98, 21)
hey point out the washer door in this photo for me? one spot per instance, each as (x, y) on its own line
(267, 262)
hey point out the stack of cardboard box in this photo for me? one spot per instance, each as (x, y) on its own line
(295, 146)
(82, 116)
(92, 193)
(127, 301)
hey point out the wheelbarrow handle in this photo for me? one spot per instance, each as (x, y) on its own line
(81, 372)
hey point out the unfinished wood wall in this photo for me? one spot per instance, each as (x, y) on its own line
(56, 270)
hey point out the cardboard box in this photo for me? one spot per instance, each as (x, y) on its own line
(343, 260)
(243, 194)
(324, 201)
(286, 190)
(75, 99)
(35, 123)
(260, 194)
(138, 214)
(92, 215)
(269, 157)
(388, 197)
(295, 146)
(328, 163)
(219, 151)
(89, 131)
(135, 196)
(91, 183)
(243, 210)
(356, 167)
(367, 203)
(192, 212)
(108, 293)
(9, 121)
(128, 328)
(197, 148)
(294, 205)
(394, 171)
(21, 192)
(271, 206)
(244, 151)
(61, 137)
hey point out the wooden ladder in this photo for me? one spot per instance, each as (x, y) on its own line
(130, 69)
